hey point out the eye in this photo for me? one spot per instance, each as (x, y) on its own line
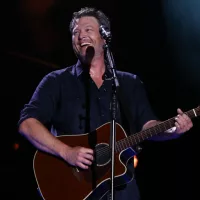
(75, 32)
(88, 29)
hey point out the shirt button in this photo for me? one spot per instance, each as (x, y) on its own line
(102, 115)
(104, 90)
(99, 98)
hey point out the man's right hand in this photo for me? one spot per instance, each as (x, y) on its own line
(79, 156)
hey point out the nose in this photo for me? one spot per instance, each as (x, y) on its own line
(81, 35)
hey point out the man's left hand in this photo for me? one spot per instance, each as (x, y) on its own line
(183, 122)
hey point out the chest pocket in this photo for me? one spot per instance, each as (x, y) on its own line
(70, 108)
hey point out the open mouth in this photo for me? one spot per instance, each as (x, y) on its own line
(85, 44)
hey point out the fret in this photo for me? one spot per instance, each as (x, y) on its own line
(150, 132)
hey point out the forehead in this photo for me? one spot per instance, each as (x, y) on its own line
(86, 21)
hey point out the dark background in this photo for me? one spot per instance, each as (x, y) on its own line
(159, 40)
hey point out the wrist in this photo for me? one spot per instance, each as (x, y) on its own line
(64, 151)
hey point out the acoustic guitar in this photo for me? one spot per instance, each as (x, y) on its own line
(57, 180)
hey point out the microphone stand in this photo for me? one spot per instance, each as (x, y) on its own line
(115, 86)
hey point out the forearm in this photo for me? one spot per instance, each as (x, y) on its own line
(41, 138)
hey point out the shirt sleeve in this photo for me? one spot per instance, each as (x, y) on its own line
(43, 101)
(143, 108)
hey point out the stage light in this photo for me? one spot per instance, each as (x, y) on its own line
(135, 161)
(16, 146)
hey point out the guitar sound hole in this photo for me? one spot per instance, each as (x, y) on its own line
(102, 154)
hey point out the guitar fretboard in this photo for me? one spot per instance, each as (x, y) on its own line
(150, 132)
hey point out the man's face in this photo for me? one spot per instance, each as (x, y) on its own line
(86, 33)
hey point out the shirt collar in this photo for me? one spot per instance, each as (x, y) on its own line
(79, 69)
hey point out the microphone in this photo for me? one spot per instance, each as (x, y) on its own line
(104, 33)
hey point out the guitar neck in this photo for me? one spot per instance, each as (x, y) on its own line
(150, 132)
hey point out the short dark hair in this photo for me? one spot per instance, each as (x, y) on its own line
(93, 12)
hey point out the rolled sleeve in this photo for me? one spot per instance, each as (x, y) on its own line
(43, 101)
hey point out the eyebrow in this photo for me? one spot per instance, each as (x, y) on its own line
(87, 25)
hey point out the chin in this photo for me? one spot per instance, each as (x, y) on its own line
(81, 57)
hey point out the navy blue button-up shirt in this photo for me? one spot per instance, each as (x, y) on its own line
(67, 101)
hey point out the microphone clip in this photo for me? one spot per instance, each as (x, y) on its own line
(106, 34)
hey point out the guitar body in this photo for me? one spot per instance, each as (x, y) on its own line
(57, 179)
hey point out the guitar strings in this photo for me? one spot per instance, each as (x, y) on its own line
(140, 136)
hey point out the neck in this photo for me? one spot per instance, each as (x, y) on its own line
(97, 67)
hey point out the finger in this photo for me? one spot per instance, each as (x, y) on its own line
(87, 150)
(177, 126)
(89, 157)
(182, 121)
(188, 120)
(85, 161)
(84, 156)
(185, 122)
(82, 165)
(178, 120)
(184, 118)
(182, 125)
(179, 111)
